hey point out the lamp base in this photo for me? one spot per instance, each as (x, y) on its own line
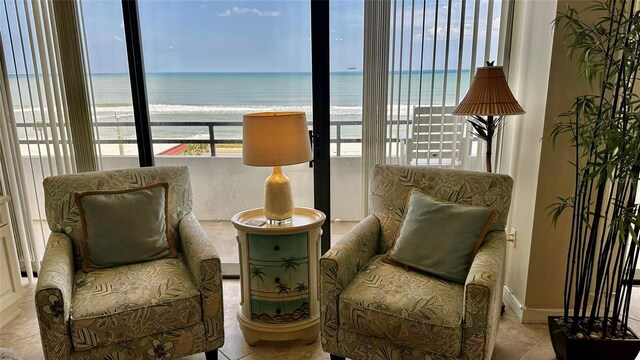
(278, 201)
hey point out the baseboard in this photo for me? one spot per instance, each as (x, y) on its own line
(539, 316)
(512, 302)
(525, 314)
(9, 314)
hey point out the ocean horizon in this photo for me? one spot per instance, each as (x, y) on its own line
(225, 97)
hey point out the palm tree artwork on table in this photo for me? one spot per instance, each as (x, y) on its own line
(258, 274)
(290, 264)
(301, 287)
(283, 289)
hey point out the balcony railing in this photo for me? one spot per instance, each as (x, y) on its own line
(435, 138)
(212, 140)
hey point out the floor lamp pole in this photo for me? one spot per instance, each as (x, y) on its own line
(490, 131)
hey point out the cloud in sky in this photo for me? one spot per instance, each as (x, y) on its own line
(454, 30)
(118, 38)
(247, 11)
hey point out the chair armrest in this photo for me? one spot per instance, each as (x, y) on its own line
(204, 265)
(338, 267)
(53, 297)
(483, 297)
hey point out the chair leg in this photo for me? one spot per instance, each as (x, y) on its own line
(211, 355)
(336, 357)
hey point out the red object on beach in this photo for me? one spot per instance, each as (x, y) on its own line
(176, 150)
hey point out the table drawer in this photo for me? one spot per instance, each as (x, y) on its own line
(274, 247)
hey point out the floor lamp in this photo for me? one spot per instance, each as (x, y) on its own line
(488, 101)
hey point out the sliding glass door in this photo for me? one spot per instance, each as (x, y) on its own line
(109, 84)
(208, 63)
(346, 52)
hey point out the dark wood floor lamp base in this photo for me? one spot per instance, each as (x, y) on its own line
(211, 355)
(336, 357)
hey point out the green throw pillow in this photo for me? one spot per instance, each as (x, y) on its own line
(440, 238)
(124, 226)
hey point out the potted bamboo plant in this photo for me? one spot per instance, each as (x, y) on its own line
(604, 129)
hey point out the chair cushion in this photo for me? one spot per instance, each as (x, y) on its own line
(124, 226)
(439, 237)
(63, 215)
(127, 302)
(407, 307)
(390, 185)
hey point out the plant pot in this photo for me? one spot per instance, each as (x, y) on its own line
(567, 348)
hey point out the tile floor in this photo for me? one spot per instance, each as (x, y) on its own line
(515, 340)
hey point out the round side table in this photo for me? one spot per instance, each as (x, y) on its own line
(279, 276)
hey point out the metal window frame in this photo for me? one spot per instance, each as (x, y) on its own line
(138, 85)
(320, 72)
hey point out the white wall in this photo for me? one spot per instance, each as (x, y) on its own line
(223, 186)
(529, 79)
(547, 83)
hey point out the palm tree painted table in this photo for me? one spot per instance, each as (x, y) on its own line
(279, 276)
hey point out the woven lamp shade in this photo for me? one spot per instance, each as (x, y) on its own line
(489, 94)
(275, 139)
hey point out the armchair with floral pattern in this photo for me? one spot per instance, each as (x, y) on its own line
(159, 309)
(373, 309)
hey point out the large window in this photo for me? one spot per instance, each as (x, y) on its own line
(436, 46)
(347, 29)
(430, 51)
(346, 51)
(208, 63)
(109, 84)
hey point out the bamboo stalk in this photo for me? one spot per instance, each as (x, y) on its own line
(605, 131)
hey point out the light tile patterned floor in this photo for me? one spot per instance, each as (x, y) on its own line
(515, 340)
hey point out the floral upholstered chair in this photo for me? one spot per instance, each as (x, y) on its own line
(158, 309)
(372, 309)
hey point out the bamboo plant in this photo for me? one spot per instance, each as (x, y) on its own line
(604, 129)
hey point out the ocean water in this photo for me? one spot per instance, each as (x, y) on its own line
(187, 97)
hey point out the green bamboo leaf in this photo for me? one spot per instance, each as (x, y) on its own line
(604, 129)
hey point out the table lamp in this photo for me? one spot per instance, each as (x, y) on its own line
(276, 139)
(488, 95)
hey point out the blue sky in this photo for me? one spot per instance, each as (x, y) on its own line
(263, 36)
(222, 36)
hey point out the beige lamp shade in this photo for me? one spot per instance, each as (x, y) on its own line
(489, 94)
(275, 139)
